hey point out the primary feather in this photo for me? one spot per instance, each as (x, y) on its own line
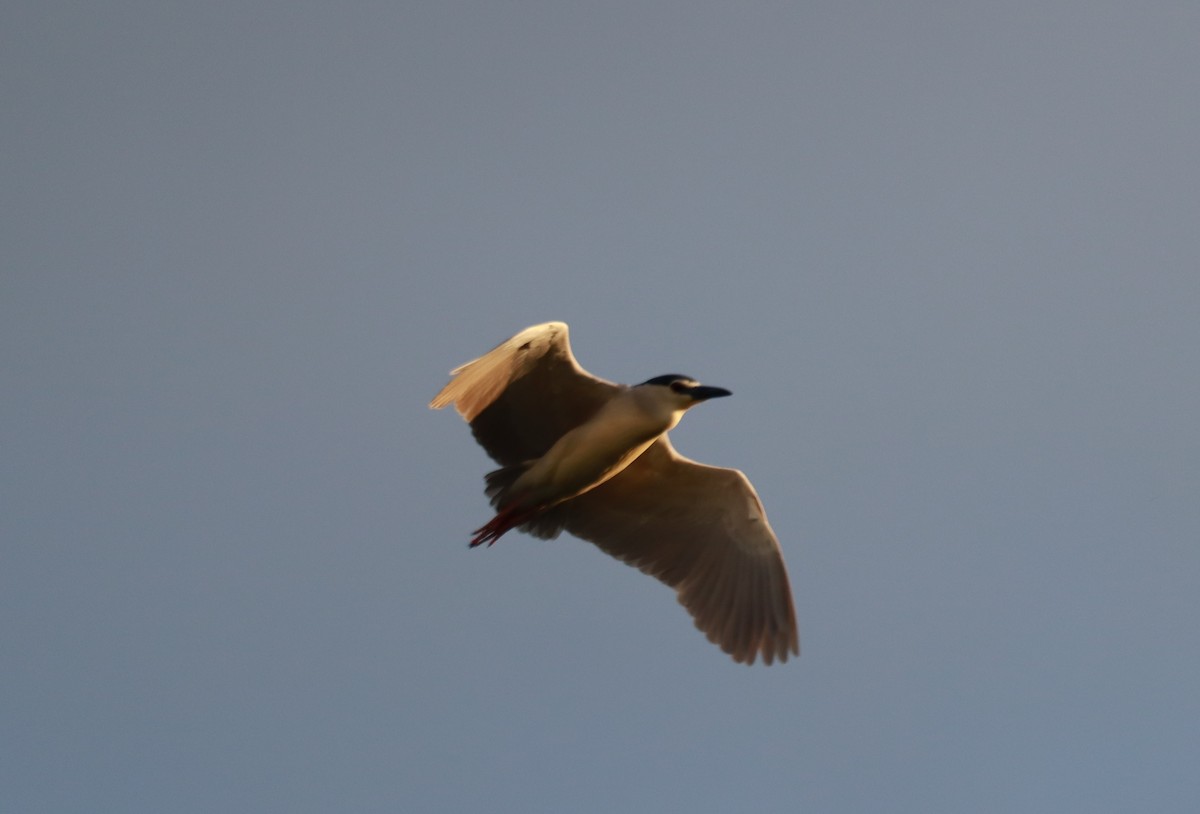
(592, 457)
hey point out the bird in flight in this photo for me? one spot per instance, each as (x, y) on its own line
(590, 457)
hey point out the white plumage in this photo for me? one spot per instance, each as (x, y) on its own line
(590, 457)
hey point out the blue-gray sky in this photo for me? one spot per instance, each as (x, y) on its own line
(945, 255)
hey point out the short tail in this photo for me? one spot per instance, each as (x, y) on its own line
(540, 521)
(499, 483)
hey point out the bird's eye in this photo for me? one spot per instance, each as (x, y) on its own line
(679, 387)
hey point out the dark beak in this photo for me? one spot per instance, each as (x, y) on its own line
(703, 392)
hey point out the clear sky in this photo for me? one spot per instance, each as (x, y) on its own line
(946, 255)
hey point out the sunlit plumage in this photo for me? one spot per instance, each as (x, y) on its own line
(590, 457)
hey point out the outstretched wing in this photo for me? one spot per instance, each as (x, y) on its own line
(702, 530)
(524, 394)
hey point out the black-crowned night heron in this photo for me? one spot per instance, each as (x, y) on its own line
(584, 455)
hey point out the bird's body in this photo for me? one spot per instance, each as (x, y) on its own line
(593, 458)
(596, 450)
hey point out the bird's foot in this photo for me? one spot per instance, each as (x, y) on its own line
(495, 528)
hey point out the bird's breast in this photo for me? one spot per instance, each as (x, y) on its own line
(589, 455)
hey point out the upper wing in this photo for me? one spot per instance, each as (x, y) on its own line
(524, 394)
(702, 530)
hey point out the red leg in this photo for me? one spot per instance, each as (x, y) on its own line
(507, 518)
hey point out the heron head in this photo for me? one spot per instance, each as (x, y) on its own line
(684, 389)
